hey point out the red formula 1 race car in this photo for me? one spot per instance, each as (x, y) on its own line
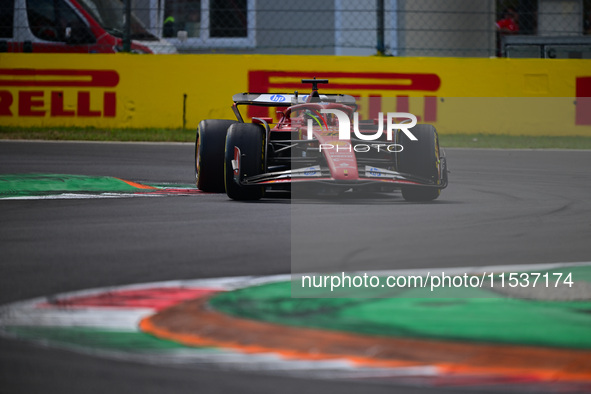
(318, 144)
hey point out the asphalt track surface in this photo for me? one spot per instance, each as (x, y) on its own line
(502, 207)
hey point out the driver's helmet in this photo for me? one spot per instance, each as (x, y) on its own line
(309, 114)
(314, 115)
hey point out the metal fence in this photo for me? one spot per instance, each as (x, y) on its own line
(474, 28)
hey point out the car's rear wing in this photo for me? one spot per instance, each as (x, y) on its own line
(285, 100)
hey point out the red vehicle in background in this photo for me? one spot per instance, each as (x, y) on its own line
(72, 26)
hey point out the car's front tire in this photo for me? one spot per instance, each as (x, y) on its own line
(420, 158)
(250, 141)
(210, 142)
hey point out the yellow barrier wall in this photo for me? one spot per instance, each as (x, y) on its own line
(500, 96)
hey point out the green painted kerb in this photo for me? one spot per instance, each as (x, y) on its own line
(44, 184)
(478, 317)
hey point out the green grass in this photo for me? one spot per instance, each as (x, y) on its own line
(513, 142)
(178, 135)
(92, 134)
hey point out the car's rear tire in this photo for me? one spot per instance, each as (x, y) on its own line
(250, 140)
(210, 142)
(420, 158)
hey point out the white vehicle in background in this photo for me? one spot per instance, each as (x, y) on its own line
(72, 26)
